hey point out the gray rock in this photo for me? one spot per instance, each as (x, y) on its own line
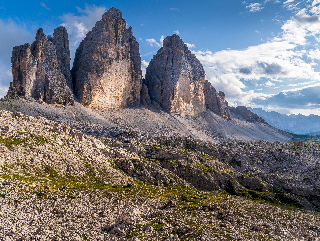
(216, 101)
(37, 70)
(175, 79)
(145, 98)
(107, 67)
(61, 41)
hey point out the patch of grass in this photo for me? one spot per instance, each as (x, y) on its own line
(84, 237)
(10, 142)
(131, 234)
(157, 224)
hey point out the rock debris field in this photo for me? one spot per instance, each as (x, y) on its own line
(59, 181)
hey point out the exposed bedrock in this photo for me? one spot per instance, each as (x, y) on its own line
(107, 67)
(175, 79)
(40, 70)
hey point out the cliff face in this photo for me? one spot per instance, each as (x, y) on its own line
(175, 79)
(216, 101)
(37, 69)
(107, 67)
(61, 42)
(106, 73)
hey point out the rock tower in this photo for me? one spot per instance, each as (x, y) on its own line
(40, 71)
(215, 101)
(107, 67)
(106, 72)
(175, 79)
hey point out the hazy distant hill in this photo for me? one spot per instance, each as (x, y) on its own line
(297, 124)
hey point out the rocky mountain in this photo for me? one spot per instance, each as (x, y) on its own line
(297, 124)
(107, 66)
(106, 72)
(175, 79)
(40, 71)
(216, 102)
(180, 164)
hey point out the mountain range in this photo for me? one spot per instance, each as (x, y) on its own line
(296, 124)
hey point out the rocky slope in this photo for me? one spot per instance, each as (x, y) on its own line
(59, 183)
(148, 123)
(40, 71)
(107, 66)
(178, 165)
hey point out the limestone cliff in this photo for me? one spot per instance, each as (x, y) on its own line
(216, 102)
(107, 67)
(60, 39)
(175, 79)
(40, 71)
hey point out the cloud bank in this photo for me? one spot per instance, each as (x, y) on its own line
(288, 58)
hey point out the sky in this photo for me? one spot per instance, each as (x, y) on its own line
(263, 54)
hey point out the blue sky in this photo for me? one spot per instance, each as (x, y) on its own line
(260, 53)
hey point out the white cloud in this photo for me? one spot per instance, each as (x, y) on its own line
(176, 32)
(314, 54)
(144, 65)
(161, 39)
(315, 2)
(78, 26)
(288, 1)
(153, 42)
(286, 58)
(190, 46)
(269, 84)
(255, 7)
(174, 9)
(292, 5)
(44, 6)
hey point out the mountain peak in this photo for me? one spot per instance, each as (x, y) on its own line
(112, 13)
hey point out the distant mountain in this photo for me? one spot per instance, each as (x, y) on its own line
(297, 124)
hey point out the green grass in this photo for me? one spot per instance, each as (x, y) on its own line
(20, 139)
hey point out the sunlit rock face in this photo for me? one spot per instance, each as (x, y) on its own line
(107, 66)
(175, 79)
(40, 70)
